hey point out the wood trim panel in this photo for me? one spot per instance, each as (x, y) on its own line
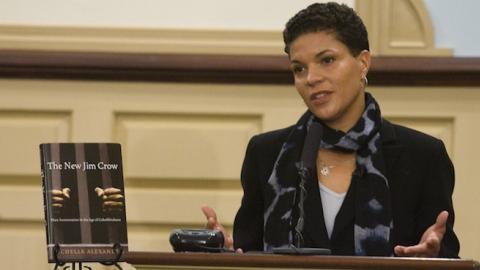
(145, 67)
(425, 71)
(212, 260)
(241, 69)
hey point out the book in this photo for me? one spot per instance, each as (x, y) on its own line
(84, 201)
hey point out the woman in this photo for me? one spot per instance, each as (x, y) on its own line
(342, 177)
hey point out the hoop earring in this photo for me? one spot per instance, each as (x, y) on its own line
(365, 81)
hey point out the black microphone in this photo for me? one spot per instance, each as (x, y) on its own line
(305, 167)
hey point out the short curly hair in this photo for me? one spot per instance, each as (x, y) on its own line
(342, 20)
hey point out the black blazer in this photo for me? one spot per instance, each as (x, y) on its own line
(421, 181)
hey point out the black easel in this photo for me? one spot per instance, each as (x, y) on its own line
(117, 248)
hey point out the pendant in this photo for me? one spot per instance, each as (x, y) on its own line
(325, 170)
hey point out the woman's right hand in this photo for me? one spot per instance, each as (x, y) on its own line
(213, 224)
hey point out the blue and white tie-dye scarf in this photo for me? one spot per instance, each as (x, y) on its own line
(373, 219)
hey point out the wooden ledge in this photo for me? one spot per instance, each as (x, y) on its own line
(216, 260)
(237, 69)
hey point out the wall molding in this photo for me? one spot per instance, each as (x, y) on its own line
(140, 40)
(414, 36)
(241, 69)
(399, 28)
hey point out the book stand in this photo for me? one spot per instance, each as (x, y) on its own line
(117, 248)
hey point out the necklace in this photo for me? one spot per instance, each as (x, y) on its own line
(326, 169)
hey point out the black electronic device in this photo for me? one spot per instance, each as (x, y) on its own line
(197, 240)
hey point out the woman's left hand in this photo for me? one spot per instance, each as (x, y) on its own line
(429, 245)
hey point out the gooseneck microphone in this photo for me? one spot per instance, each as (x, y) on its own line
(305, 166)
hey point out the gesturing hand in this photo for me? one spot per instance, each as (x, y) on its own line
(213, 224)
(429, 245)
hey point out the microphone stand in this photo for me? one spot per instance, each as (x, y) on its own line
(308, 159)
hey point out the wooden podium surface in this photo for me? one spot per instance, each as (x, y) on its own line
(162, 260)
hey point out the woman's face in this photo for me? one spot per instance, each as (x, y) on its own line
(329, 78)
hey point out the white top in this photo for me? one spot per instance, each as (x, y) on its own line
(331, 203)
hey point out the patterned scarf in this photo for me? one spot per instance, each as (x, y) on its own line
(286, 192)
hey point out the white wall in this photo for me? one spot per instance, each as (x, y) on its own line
(204, 14)
(453, 22)
(456, 25)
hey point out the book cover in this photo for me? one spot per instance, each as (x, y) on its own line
(84, 201)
